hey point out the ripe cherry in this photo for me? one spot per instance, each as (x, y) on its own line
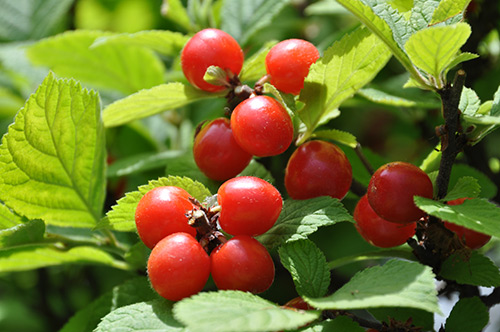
(242, 263)
(298, 303)
(288, 64)
(392, 188)
(210, 47)
(377, 231)
(471, 238)
(262, 126)
(161, 212)
(178, 267)
(318, 168)
(216, 152)
(249, 206)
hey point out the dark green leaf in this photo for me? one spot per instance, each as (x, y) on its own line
(466, 186)
(468, 314)
(471, 268)
(418, 317)
(29, 232)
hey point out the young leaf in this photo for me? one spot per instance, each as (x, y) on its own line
(122, 215)
(471, 268)
(468, 314)
(29, 232)
(466, 186)
(307, 265)
(52, 160)
(148, 102)
(300, 218)
(447, 9)
(237, 311)
(469, 102)
(339, 136)
(111, 66)
(144, 316)
(377, 287)
(345, 67)
(476, 214)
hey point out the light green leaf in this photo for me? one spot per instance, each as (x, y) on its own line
(433, 49)
(122, 215)
(162, 41)
(255, 66)
(476, 214)
(175, 11)
(495, 108)
(345, 67)
(391, 99)
(237, 311)
(466, 186)
(468, 314)
(469, 102)
(28, 232)
(258, 170)
(52, 160)
(483, 119)
(300, 218)
(462, 57)
(143, 316)
(377, 287)
(307, 265)
(158, 99)
(339, 136)
(471, 268)
(421, 14)
(215, 75)
(325, 7)
(447, 9)
(401, 5)
(8, 218)
(142, 162)
(111, 66)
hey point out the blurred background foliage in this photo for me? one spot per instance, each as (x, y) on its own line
(44, 299)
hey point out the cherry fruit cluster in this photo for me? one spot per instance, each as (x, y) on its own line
(187, 245)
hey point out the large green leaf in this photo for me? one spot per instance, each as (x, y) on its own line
(110, 66)
(468, 314)
(28, 232)
(471, 268)
(8, 218)
(52, 160)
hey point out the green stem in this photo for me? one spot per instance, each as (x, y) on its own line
(373, 255)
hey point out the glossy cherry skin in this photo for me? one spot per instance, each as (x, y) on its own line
(392, 188)
(377, 231)
(262, 126)
(318, 168)
(210, 47)
(471, 238)
(216, 152)
(288, 64)
(242, 263)
(178, 267)
(249, 206)
(161, 212)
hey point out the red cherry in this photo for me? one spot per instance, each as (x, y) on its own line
(249, 206)
(471, 238)
(377, 231)
(242, 263)
(288, 64)
(210, 47)
(298, 303)
(216, 152)
(178, 267)
(392, 188)
(318, 168)
(262, 126)
(161, 212)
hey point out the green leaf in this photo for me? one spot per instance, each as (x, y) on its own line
(469, 102)
(338, 136)
(163, 97)
(144, 316)
(468, 314)
(495, 108)
(111, 66)
(175, 11)
(258, 170)
(286, 99)
(8, 218)
(476, 214)
(345, 67)
(255, 66)
(215, 75)
(162, 41)
(418, 317)
(29, 257)
(307, 265)
(339, 324)
(391, 99)
(471, 268)
(237, 311)
(377, 287)
(447, 9)
(186, 166)
(433, 49)
(300, 218)
(52, 160)
(132, 291)
(242, 19)
(421, 14)
(122, 215)
(29, 232)
(462, 57)
(466, 186)
(488, 188)
(142, 162)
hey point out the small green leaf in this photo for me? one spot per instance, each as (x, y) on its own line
(176, 12)
(287, 100)
(237, 311)
(255, 66)
(29, 232)
(468, 314)
(215, 75)
(466, 186)
(122, 216)
(488, 188)
(471, 268)
(142, 162)
(447, 9)
(307, 265)
(469, 102)
(300, 218)
(158, 99)
(52, 160)
(338, 136)
(462, 57)
(377, 287)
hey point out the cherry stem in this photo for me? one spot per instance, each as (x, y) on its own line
(205, 222)
(359, 152)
